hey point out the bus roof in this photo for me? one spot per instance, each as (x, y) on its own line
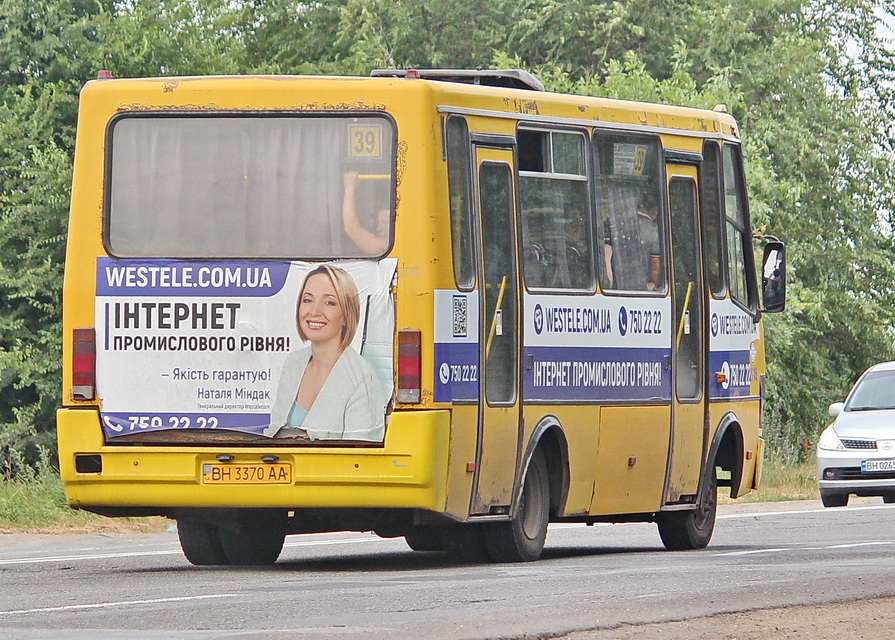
(474, 92)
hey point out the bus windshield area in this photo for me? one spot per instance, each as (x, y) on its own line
(226, 186)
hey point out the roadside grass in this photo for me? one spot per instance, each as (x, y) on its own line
(38, 505)
(782, 481)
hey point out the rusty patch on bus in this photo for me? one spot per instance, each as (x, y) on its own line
(528, 107)
(310, 107)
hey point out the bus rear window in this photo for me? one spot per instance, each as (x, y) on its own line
(259, 186)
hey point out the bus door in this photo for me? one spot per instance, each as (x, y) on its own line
(498, 428)
(689, 420)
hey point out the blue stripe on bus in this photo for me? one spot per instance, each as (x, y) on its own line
(587, 373)
(233, 278)
(561, 373)
(595, 373)
(456, 371)
(739, 371)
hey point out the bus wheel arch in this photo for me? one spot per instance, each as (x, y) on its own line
(522, 538)
(727, 451)
(538, 497)
(685, 530)
(692, 529)
(549, 437)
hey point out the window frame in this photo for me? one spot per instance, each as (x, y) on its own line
(744, 230)
(631, 136)
(586, 178)
(698, 336)
(707, 182)
(467, 261)
(109, 143)
(487, 382)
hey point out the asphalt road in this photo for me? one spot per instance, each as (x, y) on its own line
(354, 585)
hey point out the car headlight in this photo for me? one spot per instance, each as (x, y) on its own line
(829, 440)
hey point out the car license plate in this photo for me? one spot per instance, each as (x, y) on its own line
(870, 466)
(239, 473)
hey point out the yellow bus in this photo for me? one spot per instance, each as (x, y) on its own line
(445, 305)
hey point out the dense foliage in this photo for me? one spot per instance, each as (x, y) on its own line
(809, 81)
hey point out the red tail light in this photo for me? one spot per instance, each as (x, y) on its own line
(409, 369)
(83, 364)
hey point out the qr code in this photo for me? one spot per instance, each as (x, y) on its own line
(459, 316)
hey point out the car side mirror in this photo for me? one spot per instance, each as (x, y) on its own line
(836, 409)
(773, 277)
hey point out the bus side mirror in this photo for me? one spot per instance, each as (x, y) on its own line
(773, 279)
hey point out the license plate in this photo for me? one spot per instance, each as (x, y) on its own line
(239, 473)
(869, 466)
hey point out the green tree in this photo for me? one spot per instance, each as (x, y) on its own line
(810, 83)
(150, 38)
(39, 49)
(48, 49)
(353, 37)
(32, 240)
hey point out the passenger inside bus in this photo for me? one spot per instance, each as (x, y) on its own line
(372, 238)
(647, 211)
(633, 248)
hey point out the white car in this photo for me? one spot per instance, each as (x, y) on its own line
(856, 454)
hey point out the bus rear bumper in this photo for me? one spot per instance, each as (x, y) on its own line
(409, 471)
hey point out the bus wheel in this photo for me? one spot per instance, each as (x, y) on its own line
(256, 540)
(201, 542)
(692, 529)
(522, 539)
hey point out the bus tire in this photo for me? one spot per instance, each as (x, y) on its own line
(201, 542)
(257, 540)
(522, 538)
(686, 530)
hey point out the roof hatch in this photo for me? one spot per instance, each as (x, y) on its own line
(511, 78)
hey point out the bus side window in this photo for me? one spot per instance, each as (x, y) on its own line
(629, 200)
(555, 210)
(739, 241)
(712, 224)
(459, 172)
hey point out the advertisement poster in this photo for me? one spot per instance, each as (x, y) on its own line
(243, 345)
(733, 351)
(576, 348)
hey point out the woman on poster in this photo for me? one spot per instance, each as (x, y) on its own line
(327, 391)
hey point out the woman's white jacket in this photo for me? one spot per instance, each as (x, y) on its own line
(350, 406)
